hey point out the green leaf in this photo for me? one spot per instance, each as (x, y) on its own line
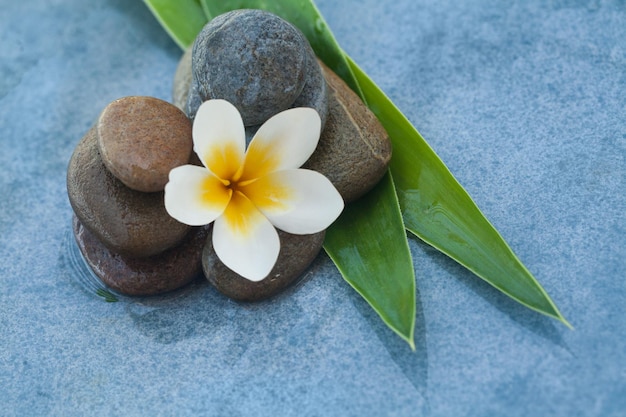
(181, 19)
(305, 16)
(369, 247)
(438, 210)
(108, 296)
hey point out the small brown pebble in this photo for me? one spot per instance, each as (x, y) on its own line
(296, 254)
(126, 221)
(141, 139)
(167, 271)
(354, 149)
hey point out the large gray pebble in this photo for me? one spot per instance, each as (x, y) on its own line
(314, 94)
(296, 254)
(253, 59)
(129, 222)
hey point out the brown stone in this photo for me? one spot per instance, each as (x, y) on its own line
(126, 221)
(141, 139)
(296, 254)
(165, 272)
(354, 149)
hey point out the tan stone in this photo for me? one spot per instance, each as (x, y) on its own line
(141, 139)
(354, 149)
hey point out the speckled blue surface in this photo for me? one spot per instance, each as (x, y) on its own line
(526, 103)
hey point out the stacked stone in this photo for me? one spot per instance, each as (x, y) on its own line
(115, 182)
(259, 63)
(262, 65)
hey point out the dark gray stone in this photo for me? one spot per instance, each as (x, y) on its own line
(314, 94)
(296, 254)
(251, 58)
(129, 222)
(151, 275)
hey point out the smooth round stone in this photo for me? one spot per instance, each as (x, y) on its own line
(296, 254)
(253, 59)
(354, 149)
(141, 139)
(129, 222)
(314, 94)
(165, 272)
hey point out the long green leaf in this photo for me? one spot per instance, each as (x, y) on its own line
(438, 210)
(373, 259)
(181, 19)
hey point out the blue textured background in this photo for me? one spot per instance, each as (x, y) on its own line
(526, 103)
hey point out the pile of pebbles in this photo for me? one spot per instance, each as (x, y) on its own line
(115, 182)
(115, 179)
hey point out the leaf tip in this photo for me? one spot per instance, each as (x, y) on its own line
(411, 344)
(565, 322)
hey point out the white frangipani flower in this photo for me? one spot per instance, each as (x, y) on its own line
(250, 192)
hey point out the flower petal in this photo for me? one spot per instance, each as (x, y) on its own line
(194, 196)
(219, 137)
(298, 201)
(285, 141)
(244, 240)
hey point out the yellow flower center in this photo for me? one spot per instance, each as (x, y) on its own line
(242, 185)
